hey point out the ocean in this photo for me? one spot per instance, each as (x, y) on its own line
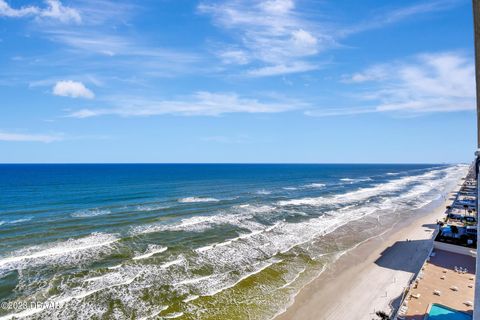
(190, 241)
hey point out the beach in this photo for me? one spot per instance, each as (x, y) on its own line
(372, 276)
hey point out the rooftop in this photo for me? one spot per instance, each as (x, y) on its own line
(439, 282)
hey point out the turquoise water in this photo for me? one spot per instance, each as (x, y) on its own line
(189, 241)
(439, 312)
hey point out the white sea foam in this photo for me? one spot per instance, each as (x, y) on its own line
(146, 207)
(114, 267)
(263, 192)
(173, 315)
(154, 314)
(192, 281)
(290, 282)
(19, 220)
(205, 248)
(240, 215)
(363, 194)
(290, 188)
(90, 213)
(172, 263)
(66, 252)
(350, 180)
(191, 298)
(197, 199)
(151, 250)
(315, 185)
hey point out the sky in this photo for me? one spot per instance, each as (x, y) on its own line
(274, 81)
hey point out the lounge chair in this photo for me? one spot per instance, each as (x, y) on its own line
(454, 288)
(416, 296)
(437, 292)
(468, 303)
(442, 277)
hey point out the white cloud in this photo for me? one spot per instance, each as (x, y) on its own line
(441, 82)
(280, 69)
(377, 72)
(433, 82)
(278, 6)
(200, 104)
(396, 15)
(72, 89)
(7, 11)
(234, 57)
(277, 37)
(54, 10)
(272, 34)
(20, 137)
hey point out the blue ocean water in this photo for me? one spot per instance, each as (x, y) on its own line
(190, 241)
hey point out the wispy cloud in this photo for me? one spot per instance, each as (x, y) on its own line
(25, 137)
(271, 33)
(274, 37)
(200, 104)
(54, 10)
(294, 67)
(440, 82)
(117, 45)
(73, 89)
(383, 18)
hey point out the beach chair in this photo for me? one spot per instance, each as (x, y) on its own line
(454, 288)
(442, 277)
(416, 296)
(437, 292)
(468, 303)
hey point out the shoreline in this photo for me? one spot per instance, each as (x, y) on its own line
(372, 275)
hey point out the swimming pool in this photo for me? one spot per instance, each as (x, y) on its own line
(439, 312)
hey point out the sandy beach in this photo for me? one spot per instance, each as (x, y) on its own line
(372, 276)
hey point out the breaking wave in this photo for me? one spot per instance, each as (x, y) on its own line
(90, 213)
(197, 199)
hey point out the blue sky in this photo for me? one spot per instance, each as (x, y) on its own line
(236, 81)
